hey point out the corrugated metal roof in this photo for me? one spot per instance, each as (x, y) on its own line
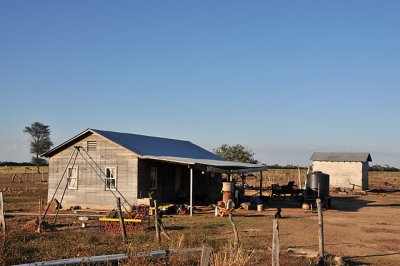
(163, 149)
(214, 163)
(156, 146)
(341, 156)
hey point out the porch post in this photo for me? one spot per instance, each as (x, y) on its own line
(191, 191)
(260, 183)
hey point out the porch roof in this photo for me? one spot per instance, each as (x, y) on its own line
(215, 166)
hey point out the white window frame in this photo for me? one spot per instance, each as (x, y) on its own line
(70, 178)
(113, 169)
(153, 177)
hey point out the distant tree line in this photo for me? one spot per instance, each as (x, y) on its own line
(17, 164)
(288, 166)
(384, 167)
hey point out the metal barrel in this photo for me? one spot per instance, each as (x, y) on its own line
(317, 180)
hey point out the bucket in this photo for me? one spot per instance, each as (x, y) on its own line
(260, 207)
(226, 195)
(227, 186)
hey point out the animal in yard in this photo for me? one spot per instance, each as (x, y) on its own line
(278, 213)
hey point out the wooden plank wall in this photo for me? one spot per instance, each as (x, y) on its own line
(91, 191)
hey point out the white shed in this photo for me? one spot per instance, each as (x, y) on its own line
(346, 169)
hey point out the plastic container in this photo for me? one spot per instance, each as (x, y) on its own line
(227, 186)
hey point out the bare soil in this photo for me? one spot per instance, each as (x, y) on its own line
(363, 229)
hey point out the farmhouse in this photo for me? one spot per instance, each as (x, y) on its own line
(96, 166)
(346, 169)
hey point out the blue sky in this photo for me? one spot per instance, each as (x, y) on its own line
(284, 78)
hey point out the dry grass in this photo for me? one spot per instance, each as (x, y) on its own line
(22, 169)
(229, 255)
(384, 180)
(66, 240)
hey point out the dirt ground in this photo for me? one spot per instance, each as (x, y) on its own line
(363, 229)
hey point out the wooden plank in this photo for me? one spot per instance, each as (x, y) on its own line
(105, 219)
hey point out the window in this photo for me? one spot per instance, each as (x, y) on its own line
(153, 177)
(111, 178)
(72, 177)
(91, 146)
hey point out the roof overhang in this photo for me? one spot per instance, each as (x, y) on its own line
(67, 143)
(212, 166)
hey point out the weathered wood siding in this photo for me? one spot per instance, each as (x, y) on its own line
(91, 190)
(344, 174)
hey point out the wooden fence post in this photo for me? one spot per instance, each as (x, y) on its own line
(156, 224)
(205, 255)
(2, 220)
(39, 230)
(275, 243)
(235, 231)
(121, 220)
(13, 177)
(320, 231)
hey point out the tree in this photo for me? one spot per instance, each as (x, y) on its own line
(237, 153)
(40, 142)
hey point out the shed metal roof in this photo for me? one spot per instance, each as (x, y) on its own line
(341, 156)
(156, 146)
(163, 149)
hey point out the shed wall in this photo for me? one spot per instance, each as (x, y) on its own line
(344, 174)
(91, 192)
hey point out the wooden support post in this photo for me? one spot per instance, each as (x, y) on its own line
(2, 220)
(156, 224)
(235, 231)
(39, 230)
(275, 243)
(205, 255)
(261, 183)
(42, 177)
(191, 191)
(13, 177)
(121, 220)
(320, 231)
